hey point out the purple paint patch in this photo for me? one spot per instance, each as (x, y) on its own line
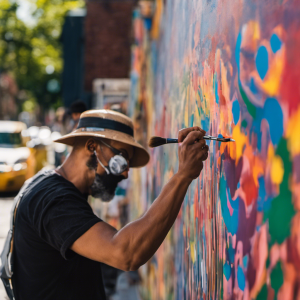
(233, 173)
(246, 228)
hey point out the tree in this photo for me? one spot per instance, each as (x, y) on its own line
(32, 52)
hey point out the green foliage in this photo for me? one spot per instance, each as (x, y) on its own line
(26, 49)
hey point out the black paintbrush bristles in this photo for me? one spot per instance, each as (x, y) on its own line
(156, 141)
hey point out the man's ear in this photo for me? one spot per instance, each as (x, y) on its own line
(91, 145)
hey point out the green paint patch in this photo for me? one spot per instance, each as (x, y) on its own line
(282, 209)
(263, 294)
(186, 80)
(276, 278)
(251, 108)
(244, 123)
(200, 93)
(268, 262)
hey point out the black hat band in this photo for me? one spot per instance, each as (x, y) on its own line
(94, 122)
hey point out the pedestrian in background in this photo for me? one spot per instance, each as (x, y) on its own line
(77, 108)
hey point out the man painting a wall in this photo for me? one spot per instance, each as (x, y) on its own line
(58, 241)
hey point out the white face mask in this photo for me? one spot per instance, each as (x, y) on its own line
(116, 165)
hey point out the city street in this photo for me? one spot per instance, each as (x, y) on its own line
(5, 207)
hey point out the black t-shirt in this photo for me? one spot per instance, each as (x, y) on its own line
(50, 218)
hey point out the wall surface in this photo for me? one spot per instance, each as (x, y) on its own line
(233, 68)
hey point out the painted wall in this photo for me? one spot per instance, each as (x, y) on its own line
(233, 68)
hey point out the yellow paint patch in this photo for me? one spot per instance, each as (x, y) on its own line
(258, 169)
(292, 133)
(240, 141)
(272, 82)
(271, 151)
(251, 36)
(277, 169)
(156, 20)
(192, 250)
(186, 114)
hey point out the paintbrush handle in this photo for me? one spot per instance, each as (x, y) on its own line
(171, 141)
(209, 137)
(206, 137)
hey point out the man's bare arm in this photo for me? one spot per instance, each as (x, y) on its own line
(136, 243)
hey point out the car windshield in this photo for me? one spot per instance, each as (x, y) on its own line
(10, 140)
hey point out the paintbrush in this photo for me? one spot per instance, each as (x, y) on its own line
(156, 141)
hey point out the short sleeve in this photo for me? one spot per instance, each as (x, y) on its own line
(63, 220)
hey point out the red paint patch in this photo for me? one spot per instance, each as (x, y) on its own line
(250, 189)
(290, 87)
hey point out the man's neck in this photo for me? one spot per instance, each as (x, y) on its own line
(74, 170)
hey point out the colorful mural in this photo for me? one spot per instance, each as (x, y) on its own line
(233, 68)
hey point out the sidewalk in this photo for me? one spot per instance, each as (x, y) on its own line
(125, 290)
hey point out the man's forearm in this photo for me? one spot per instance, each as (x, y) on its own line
(146, 234)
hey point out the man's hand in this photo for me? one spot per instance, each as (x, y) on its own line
(192, 152)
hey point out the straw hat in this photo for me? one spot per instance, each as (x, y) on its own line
(111, 125)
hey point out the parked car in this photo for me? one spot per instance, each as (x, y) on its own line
(40, 138)
(17, 161)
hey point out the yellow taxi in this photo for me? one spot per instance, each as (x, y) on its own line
(17, 162)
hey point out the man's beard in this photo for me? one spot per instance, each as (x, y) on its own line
(104, 186)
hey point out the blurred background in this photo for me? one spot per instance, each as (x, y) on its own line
(59, 58)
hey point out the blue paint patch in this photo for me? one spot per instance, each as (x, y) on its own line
(261, 194)
(245, 261)
(268, 203)
(252, 86)
(263, 200)
(192, 120)
(219, 143)
(231, 222)
(262, 61)
(275, 42)
(234, 203)
(205, 122)
(226, 270)
(216, 88)
(236, 111)
(237, 51)
(241, 278)
(256, 126)
(136, 14)
(148, 23)
(273, 114)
